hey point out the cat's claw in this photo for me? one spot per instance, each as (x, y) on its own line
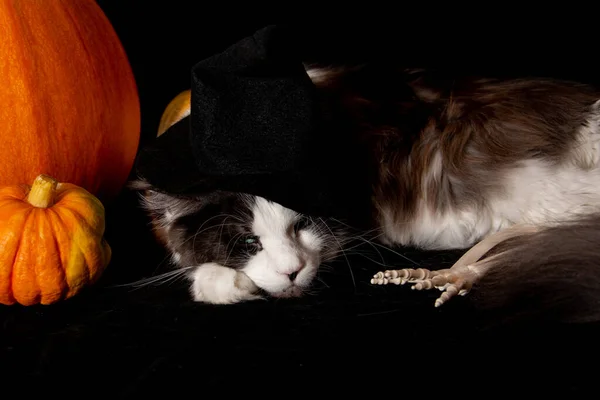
(451, 281)
(400, 276)
(462, 276)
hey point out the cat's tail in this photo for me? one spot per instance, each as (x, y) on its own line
(553, 275)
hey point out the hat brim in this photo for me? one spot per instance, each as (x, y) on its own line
(169, 165)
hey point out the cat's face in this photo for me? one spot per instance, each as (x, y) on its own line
(220, 236)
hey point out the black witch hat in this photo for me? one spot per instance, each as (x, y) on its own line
(255, 126)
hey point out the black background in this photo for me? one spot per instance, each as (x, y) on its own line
(119, 342)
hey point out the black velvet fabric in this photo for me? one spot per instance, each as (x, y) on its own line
(349, 338)
(256, 127)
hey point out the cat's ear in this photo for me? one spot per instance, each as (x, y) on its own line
(139, 185)
(161, 203)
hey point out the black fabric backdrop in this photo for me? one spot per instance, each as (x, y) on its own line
(123, 342)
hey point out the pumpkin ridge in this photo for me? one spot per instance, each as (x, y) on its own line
(35, 223)
(68, 194)
(86, 230)
(57, 221)
(74, 244)
(12, 202)
(12, 198)
(16, 252)
(19, 247)
(51, 289)
(73, 201)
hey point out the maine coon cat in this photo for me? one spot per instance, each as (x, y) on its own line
(507, 169)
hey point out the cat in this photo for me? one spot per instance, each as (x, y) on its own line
(506, 169)
(240, 247)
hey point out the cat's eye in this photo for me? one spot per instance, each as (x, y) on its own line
(251, 240)
(251, 245)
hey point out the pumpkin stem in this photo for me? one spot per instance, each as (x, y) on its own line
(42, 191)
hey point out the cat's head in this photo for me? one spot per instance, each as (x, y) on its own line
(278, 249)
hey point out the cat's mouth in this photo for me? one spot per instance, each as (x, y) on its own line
(292, 291)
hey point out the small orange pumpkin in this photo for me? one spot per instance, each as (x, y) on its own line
(51, 241)
(69, 100)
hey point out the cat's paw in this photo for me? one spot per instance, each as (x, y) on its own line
(216, 284)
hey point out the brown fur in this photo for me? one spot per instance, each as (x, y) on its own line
(553, 274)
(479, 127)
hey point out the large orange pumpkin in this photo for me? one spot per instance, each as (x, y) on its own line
(69, 104)
(51, 241)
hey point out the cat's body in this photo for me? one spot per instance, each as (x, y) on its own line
(452, 161)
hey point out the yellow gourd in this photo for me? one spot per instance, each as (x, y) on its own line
(51, 241)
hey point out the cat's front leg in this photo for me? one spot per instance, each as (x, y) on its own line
(460, 278)
(216, 284)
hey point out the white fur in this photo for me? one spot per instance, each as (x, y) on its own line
(323, 75)
(545, 195)
(176, 258)
(170, 208)
(215, 284)
(586, 152)
(535, 193)
(433, 230)
(283, 252)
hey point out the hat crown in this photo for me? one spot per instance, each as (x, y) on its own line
(253, 108)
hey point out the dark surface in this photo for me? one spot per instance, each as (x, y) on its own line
(118, 342)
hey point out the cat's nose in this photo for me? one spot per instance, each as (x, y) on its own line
(294, 274)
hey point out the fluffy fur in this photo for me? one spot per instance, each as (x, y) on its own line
(237, 247)
(455, 161)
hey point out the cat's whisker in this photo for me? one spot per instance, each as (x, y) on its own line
(200, 230)
(221, 231)
(326, 268)
(397, 253)
(206, 230)
(372, 242)
(226, 217)
(157, 279)
(319, 279)
(237, 239)
(363, 233)
(311, 291)
(162, 263)
(219, 216)
(342, 250)
(382, 264)
(372, 245)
